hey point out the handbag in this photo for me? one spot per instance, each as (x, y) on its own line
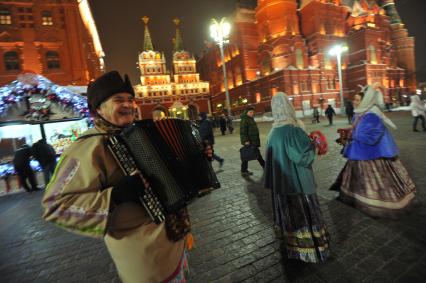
(249, 152)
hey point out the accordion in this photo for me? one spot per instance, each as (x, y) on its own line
(170, 155)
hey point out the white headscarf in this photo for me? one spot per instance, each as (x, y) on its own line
(371, 102)
(283, 111)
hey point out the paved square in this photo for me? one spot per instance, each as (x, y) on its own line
(232, 227)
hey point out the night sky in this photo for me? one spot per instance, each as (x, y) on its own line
(121, 29)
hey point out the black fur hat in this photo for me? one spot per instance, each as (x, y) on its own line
(106, 86)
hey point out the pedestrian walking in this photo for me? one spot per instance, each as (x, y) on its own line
(45, 154)
(249, 136)
(222, 122)
(206, 134)
(91, 196)
(349, 112)
(229, 124)
(21, 162)
(330, 113)
(289, 174)
(418, 111)
(374, 180)
(316, 116)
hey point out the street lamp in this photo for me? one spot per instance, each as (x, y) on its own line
(337, 51)
(220, 33)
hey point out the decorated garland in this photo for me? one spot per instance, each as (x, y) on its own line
(30, 84)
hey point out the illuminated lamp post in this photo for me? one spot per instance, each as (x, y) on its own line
(337, 51)
(220, 32)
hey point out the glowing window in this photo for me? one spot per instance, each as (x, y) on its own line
(373, 56)
(46, 18)
(52, 59)
(5, 17)
(299, 58)
(11, 61)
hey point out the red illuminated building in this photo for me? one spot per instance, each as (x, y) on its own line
(178, 93)
(283, 45)
(56, 39)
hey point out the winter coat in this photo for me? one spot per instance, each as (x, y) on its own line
(349, 109)
(44, 153)
(370, 140)
(22, 157)
(229, 123)
(206, 131)
(222, 124)
(289, 158)
(330, 111)
(417, 106)
(249, 131)
(78, 198)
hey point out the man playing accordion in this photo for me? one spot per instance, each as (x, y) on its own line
(90, 195)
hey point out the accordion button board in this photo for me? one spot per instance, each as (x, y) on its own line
(148, 198)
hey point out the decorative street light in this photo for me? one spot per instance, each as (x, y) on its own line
(337, 51)
(220, 33)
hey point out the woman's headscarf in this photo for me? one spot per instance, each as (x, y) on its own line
(371, 102)
(283, 111)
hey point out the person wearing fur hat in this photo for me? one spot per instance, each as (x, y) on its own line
(89, 194)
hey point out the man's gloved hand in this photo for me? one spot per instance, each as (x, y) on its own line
(129, 188)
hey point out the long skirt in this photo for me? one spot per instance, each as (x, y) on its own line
(299, 219)
(379, 188)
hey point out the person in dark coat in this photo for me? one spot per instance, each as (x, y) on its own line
(330, 113)
(206, 134)
(350, 112)
(316, 116)
(46, 156)
(21, 162)
(229, 124)
(249, 135)
(222, 122)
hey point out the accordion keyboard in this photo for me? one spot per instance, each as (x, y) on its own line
(148, 198)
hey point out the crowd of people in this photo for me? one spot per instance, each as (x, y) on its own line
(89, 195)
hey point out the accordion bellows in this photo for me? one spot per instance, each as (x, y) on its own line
(170, 155)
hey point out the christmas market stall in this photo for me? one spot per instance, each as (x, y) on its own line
(34, 108)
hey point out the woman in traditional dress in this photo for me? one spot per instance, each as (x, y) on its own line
(288, 173)
(374, 179)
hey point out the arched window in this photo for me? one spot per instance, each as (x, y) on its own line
(52, 59)
(5, 17)
(299, 58)
(46, 18)
(11, 61)
(373, 55)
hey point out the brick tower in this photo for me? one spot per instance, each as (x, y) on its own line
(404, 44)
(279, 36)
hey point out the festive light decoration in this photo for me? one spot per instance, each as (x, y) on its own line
(29, 84)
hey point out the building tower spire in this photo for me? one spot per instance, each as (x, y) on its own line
(147, 41)
(357, 9)
(178, 42)
(389, 7)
